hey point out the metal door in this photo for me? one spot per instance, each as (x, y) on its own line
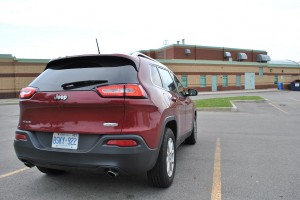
(214, 83)
(249, 81)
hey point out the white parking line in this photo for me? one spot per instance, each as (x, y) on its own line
(273, 104)
(294, 99)
(13, 172)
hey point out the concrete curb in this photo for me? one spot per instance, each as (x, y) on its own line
(220, 109)
(9, 101)
(239, 91)
(249, 101)
(234, 108)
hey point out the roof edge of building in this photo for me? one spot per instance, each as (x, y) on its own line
(210, 62)
(204, 47)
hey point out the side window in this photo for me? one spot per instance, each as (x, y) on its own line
(261, 71)
(180, 87)
(275, 79)
(225, 81)
(202, 80)
(167, 80)
(155, 76)
(238, 80)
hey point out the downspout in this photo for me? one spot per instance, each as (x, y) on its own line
(15, 77)
(195, 52)
(223, 54)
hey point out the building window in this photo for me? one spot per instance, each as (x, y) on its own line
(225, 80)
(202, 80)
(238, 80)
(184, 80)
(275, 79)
(261, 71)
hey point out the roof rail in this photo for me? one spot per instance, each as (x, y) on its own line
(143, 55)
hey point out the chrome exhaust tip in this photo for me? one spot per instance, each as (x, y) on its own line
(112, 172)
(28, 164)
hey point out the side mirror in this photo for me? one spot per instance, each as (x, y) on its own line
(192, 92)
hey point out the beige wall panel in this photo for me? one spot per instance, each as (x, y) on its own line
(6, 68)
(22, 82)
(242, 79)
(6, 91)
(7, 83)
(29, 68)
(189, 68)
(194, 79)
(260, 79)
(287, 78)
(223, 69)
(208, 80)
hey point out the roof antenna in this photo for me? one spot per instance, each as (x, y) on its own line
(97, 46)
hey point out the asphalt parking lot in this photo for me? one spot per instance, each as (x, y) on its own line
(251, 154)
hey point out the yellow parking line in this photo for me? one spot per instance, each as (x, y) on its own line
(217, 186)
(13, 172)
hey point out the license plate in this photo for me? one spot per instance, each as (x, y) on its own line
(65, 140)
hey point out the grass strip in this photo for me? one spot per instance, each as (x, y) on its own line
(222, 102)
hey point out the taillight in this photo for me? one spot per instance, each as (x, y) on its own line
(128, 90)
(22, 137)
(27, 92)
(134, 91)
(122, 143)
(111, 91)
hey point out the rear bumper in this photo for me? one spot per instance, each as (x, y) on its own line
(99, 156)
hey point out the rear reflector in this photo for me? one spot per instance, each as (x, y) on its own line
(128, 90)
(21, 137)
(122, 143)
(27, 93)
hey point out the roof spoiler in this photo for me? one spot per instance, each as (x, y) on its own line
(143, 55)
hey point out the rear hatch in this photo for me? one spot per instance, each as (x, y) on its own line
(78, 95)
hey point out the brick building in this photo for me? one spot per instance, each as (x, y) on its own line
(218, 68)
(17, 73)
(201, 67)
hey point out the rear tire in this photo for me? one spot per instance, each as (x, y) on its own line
(49, 171)
(192, 139)
(162, 174)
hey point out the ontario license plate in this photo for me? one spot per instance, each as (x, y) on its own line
(65, 140)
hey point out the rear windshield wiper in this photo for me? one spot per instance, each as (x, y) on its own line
(79, 84)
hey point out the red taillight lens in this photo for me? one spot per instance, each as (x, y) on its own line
(122, 143)
(111, 91)
(27, 92)
(21, 137)
(128, 90)
(134, 91)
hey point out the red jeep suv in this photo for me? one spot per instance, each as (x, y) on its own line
(112, 113)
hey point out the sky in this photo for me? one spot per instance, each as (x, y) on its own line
(50, 29)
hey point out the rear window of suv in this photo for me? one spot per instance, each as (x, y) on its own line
(85, 74)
